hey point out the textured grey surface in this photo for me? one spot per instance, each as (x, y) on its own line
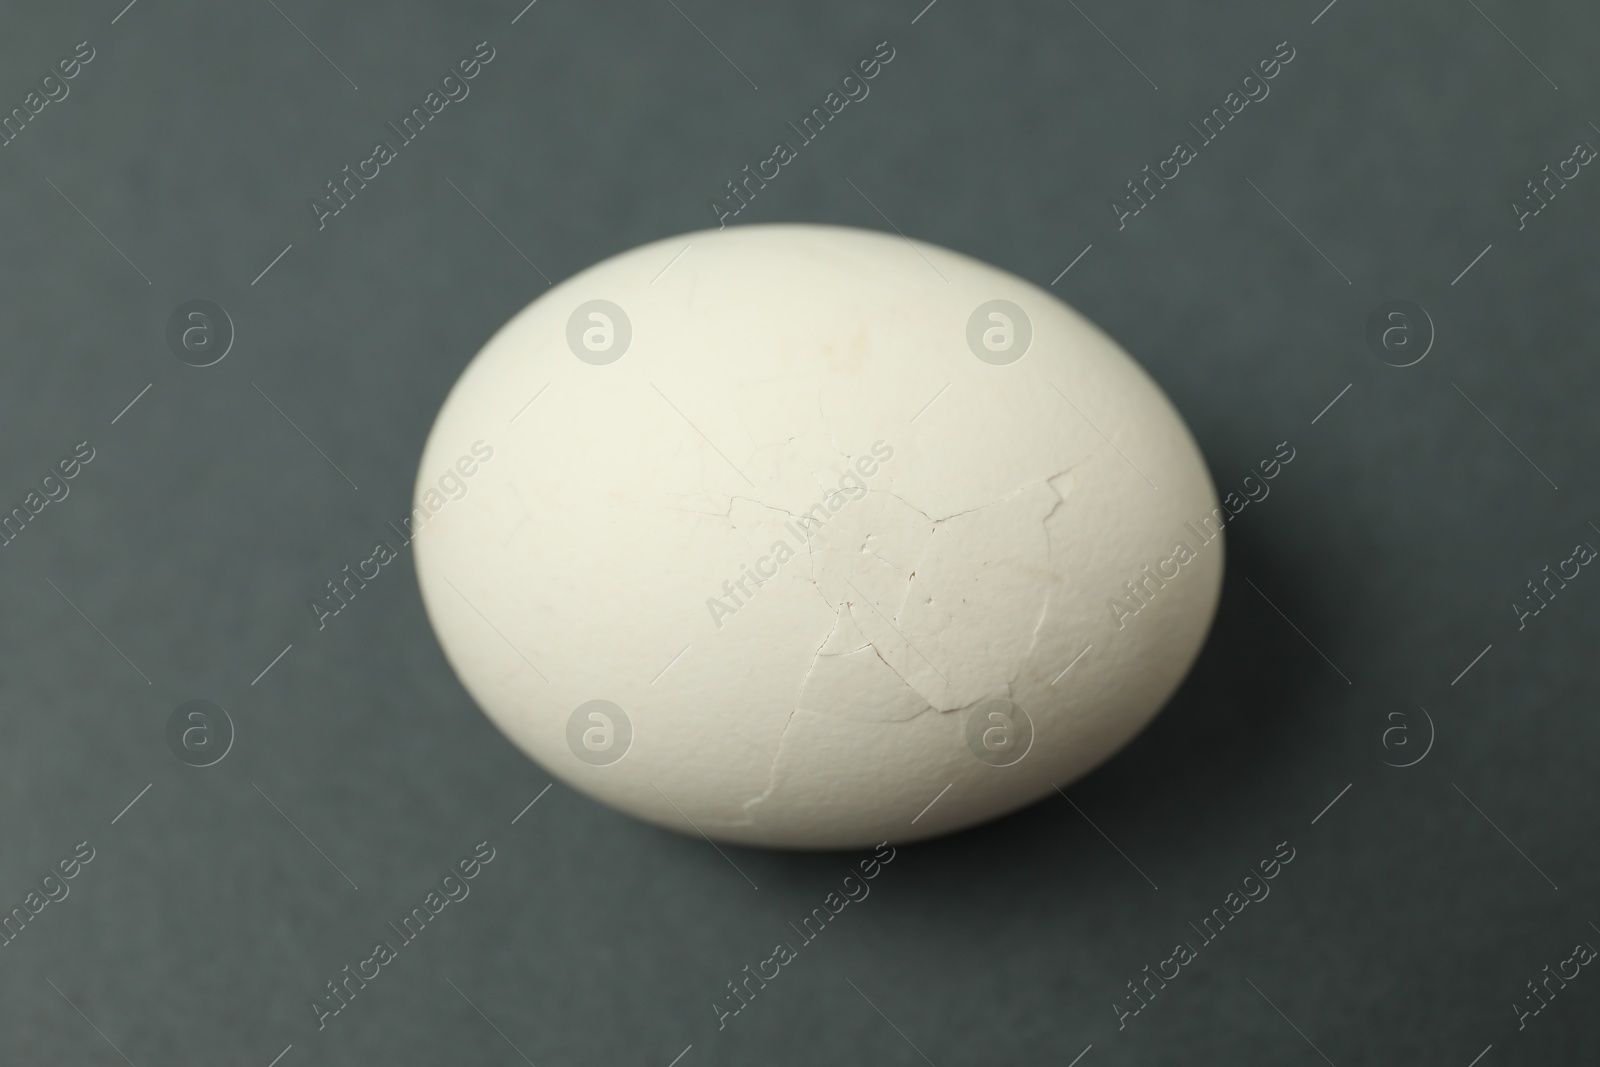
(1407, 924)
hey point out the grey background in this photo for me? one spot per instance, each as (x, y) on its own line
(1407, 923)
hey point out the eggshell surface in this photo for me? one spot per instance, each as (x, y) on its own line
(812, 537)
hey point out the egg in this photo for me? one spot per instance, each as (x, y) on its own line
(813, 537)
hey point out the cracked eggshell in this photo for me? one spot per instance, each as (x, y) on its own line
(788, 531)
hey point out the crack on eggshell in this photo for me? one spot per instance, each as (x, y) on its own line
(733, 502)
(907, 503)
(941, 583)
(902, 675)
(843, 676)
(1048, 481)
(777, 776)
(904, 680)
(1033, 638)
(772, 775)
(877, 664)
(1033, 642)
(1061, 498)
(777, 749)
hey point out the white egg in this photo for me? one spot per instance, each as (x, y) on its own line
(813, 537)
